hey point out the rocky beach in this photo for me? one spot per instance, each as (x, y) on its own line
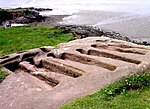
(134, 26)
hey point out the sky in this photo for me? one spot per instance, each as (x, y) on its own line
(71, 6)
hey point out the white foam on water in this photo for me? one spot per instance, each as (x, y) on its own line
(14, 24)
(58, 12)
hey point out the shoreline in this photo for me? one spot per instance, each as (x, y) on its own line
(134, 26)
(52, 20)
(112, 22)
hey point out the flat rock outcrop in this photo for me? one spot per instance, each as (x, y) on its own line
(46, 77)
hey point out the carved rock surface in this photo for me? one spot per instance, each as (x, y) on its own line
(46, 77)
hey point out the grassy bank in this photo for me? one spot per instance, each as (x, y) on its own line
(16, 39)
(129, 93)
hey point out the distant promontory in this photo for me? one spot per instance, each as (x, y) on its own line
(22, 15)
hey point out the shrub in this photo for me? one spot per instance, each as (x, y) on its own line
(136, 82)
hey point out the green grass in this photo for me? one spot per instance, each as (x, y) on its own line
(15, 10)
(128, 93)
(2, 75)
(16, 39)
